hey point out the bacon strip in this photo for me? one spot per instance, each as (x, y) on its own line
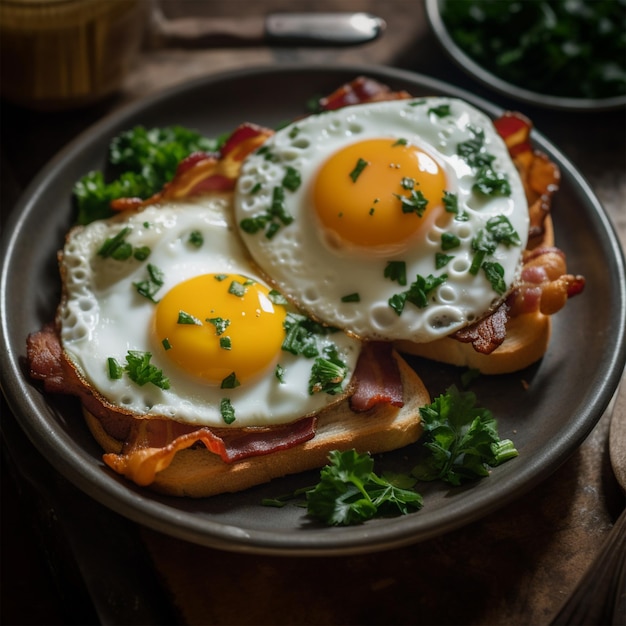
(153, 443)
(487, 334)
(377, 378)
(360, 91)
(150, 444)
(544, 285)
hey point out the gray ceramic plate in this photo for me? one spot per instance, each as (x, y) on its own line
(547, 409)
(497, 84)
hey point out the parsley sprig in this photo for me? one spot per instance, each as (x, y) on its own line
(461, 439)
(418, 292)
(349, 492)
(460, 444)
(139, 369)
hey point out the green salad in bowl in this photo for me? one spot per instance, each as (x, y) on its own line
(568, 54)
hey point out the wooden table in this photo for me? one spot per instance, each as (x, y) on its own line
(515, 566)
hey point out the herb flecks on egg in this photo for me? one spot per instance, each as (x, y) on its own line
(406, 181)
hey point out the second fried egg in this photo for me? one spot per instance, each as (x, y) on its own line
(392, 220)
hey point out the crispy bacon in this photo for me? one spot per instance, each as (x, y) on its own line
(377, 378)
(541, 176)
(360, 91)
(544, 285)
(488, 333)
(153, 443)
(150, 444)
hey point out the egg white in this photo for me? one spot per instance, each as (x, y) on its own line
(103, 316)
(316, 276)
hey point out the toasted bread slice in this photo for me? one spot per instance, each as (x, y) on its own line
(196, 472)
(527, 338)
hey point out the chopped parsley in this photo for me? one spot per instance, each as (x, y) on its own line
(495, 275)
(225, 343)
(230, 382)
(220, 324)
(418, 292)
(117, 247)
(279, 372)
(227, 411)
(166, 344)
(498, 230)
(361, 164)
(400, 142)
(140, 162)
(441, 259)
(449, 241)
(450, 202)
(114, 369)
(396, 270)
(415, 202)
(237, 289)
(473, 151)
(491, 183)
(351, 297)
(186, 318)
(141, 371)
(196, 239)
(328, 373)
(292, 179)
(275, 297)
(443, 110)
(273, 218)
(141, 253)
(148, 288)
(300, 335)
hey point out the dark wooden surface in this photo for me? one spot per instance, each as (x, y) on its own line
(515, 566)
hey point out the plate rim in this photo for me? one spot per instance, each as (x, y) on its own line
(232, 538)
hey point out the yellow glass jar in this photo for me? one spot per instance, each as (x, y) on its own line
(60, 54)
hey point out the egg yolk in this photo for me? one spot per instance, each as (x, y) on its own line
(377, 193)
(219, 327)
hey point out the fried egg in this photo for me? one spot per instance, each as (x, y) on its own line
(163, 315)
(393, 220)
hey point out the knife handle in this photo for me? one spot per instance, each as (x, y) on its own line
(275, 29)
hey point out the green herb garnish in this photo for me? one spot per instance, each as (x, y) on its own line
(396, 270)
(117, 247)
(141, 371)
(461, 440)
(415, 202)
(148, 288)
(328, 373)
(220, 324)
(292, 179)
(227, 411)
(142, 161)
(361, 164)
(351, 297)
(114, 369)
(418, 293)
(196, 239)
(186, 318)
(230, 382)
(349, 492)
